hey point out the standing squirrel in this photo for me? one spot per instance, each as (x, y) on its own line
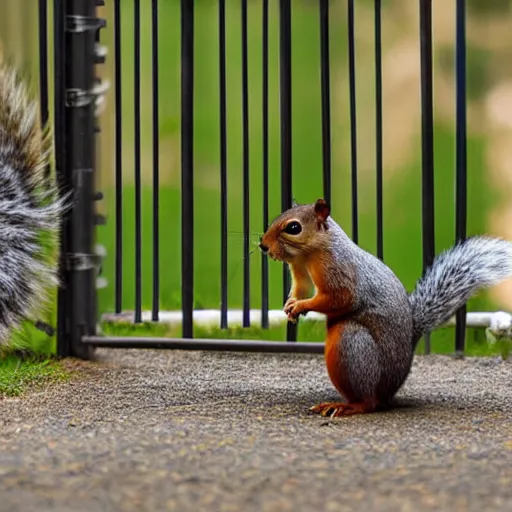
(30, 206)
(373, 324)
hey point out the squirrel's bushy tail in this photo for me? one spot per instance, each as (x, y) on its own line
(455, 276)
(30, 208)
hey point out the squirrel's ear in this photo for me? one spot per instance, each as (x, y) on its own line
(294, 203)
(322, 210)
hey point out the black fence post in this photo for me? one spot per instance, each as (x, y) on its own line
(378, 130)
(353, 118)
(223, 168)
(285, 72)
(427, 140)
(264, 258)
(246, 314)
(76, 27)
(461, 184)
(187, 167)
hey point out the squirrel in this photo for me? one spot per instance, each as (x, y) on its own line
(373, 323)
(31, 207)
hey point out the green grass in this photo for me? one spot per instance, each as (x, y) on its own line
(17, 374)
(28, 359)
(28, 337)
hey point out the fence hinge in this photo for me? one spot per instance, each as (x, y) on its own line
(77, 24)
(80, 261)
(78, 97)
(82, 97)
(100, 53)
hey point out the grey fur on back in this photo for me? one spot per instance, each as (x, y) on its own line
(383, 311)
(397, 319)
(455, 276)
(29, 206)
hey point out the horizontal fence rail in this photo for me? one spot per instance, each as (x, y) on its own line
(247, 176)
(205, 344)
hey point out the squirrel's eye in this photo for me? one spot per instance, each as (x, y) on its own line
(294, 228)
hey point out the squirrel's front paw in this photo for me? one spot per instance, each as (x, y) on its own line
(293, 308)
(289, 303)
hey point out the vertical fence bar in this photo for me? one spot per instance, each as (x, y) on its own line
(64, 345)
(285, 65)
(461, 163)
(223, 170)
(75, 150)
(137, 150)
(246, 321)
(119, 157)
(427, 139)
(378, 129)
(43, 66)
(43, 62)
(264, 258)
(326, 97)
(156, 163)
(353, 119)
(187, 166)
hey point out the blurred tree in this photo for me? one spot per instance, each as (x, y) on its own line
(488, 7)
(18, 33)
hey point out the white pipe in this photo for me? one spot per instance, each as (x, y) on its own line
(498, 322)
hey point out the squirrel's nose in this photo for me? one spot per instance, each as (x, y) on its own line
(264, 248)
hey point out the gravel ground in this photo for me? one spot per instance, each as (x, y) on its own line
(151, 431)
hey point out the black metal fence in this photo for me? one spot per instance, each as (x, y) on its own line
(76, 34)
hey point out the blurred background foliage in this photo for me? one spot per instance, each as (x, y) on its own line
(489, 75)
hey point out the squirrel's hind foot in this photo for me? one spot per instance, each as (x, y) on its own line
(337, 409)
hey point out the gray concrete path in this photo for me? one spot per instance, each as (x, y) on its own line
(155, 431)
